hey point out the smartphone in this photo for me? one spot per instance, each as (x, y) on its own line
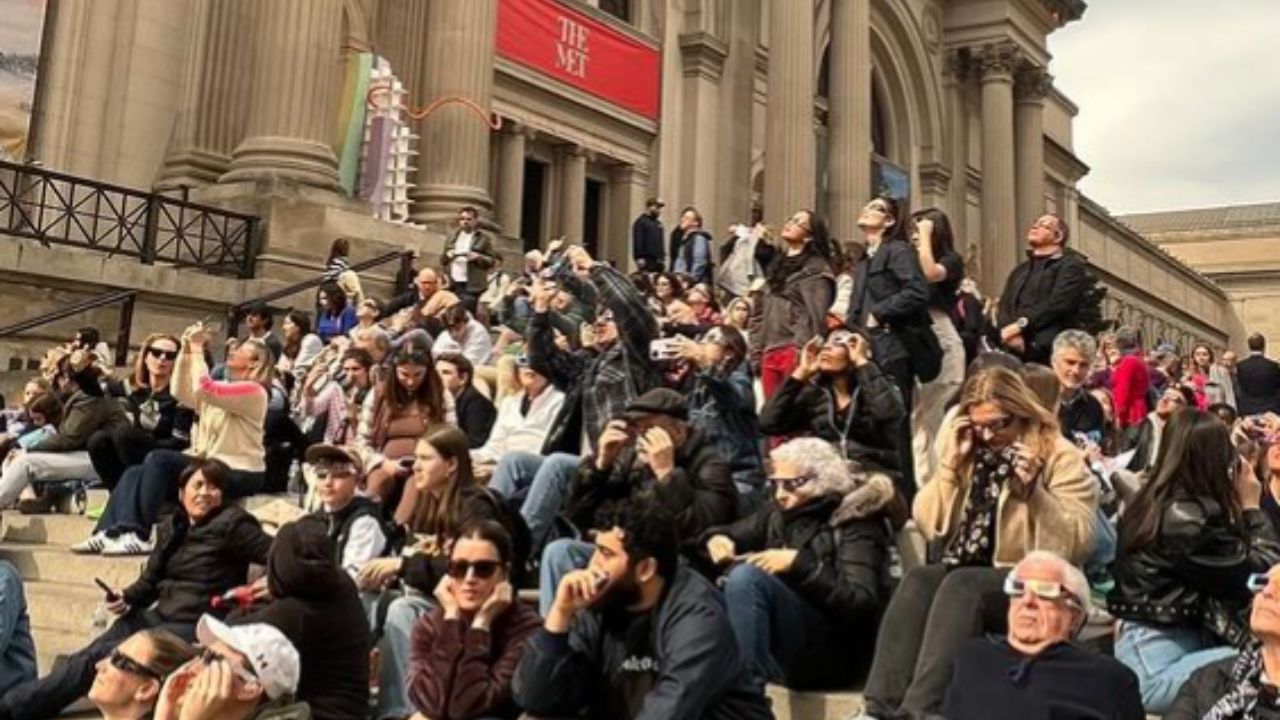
(112, 596)
(664, 349)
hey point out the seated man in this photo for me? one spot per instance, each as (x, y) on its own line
(636, 635)
(244, 672)
(464, 335)
(1241, 687)
(354, 521)
(474, 411)
(1079, 412)
(17, 650)
(1036, 672)
(523, 417)
(128, 681)
(652, 451)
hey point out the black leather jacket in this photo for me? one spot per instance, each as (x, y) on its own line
(1194, 572)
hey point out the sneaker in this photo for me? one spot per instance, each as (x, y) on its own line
(46, 504)
(127, 544)
(91, 545)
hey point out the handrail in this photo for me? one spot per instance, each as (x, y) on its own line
(127, 297)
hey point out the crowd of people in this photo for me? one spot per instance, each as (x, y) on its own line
(777, 458)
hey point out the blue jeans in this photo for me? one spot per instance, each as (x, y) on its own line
(1104, 546)
(396, 648)
(1163, 658)
(559, 559)
(547, 481)
(774, 626)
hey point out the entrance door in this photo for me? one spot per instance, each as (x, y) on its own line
(531, 215)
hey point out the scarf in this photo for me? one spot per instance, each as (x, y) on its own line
(1241, 702)
(973, 544)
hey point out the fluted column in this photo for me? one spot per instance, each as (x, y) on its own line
(1030, 91)
(573, 191)
(297, 75)
(511, 178)
(453, 169)
(849, 124)
(956, 82)
(789, 174)
(1000, 242)
(215, 99)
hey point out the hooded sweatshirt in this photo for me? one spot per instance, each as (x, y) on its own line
(316, 606)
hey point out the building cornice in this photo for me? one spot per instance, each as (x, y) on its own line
(703, 55)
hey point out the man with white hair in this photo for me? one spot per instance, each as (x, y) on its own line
(1079, 412)
(1036, 672)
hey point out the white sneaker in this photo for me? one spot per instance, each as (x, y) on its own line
(91, 545)
(127, 544)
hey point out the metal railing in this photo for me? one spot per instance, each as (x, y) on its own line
(59, 209)
(127, 298)
(236, 312)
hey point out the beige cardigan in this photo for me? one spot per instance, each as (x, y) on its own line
(230, 427)
(1057, 516)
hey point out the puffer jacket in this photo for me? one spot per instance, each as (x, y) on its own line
(1194, 572)
(866, 432)
(194, 562)
(841, 567)
(1208, 685)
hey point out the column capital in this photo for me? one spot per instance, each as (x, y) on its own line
(571, 150)
(1032, 84)
(998, 61)
(703, 55)
(959, 65)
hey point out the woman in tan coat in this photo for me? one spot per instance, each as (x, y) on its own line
(1007, 483)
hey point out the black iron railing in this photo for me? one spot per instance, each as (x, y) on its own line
(59, 209)
(125, 297)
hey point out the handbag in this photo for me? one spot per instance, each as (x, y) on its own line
(924, 349)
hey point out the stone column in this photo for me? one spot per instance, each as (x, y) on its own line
(626, 202)
(573, 191)
(214, 96)
(1030, 91)
(956, 83)
(453, 165)
(511, 178)
(1000, 241)
(297, 75)
(849, 123)
(789, 147)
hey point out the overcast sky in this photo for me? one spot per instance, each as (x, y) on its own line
(1179, 101)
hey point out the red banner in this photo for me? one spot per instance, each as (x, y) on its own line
(580, 51)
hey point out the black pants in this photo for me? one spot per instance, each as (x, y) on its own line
(932, 614)
(114, 451)
(71, 678)
(900, 372)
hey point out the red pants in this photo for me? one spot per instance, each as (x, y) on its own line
(775, 366)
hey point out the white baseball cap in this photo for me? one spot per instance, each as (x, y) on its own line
(272, 656)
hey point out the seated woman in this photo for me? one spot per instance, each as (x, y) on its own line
(1007, 483)
(337, 316)
(203, 550)
(230, 428)
(128, 681)
(466, 649)
(451, 498)
(156, 418)
(301, 347)
(409, 400)
(1188, 541)
(1240, 688)
(808, 571)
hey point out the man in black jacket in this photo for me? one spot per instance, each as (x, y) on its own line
(650, 451)
(1036, 672)
(646, 237)
(426, 284)
(1079, 412)
(474, 411)
(1257, 380)
(1043, 295)
(636, 635)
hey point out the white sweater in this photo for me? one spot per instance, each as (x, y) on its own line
(513, 432)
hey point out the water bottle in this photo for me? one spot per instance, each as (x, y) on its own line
(296, 486)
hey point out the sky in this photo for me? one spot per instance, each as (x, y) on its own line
(1179, 101)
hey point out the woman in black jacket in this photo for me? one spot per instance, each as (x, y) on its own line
(849, 402)
(891, 304)
(809, 573)
(1188, 543)
(203, 549)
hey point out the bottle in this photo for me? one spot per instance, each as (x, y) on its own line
(296, 485)
(236, 598)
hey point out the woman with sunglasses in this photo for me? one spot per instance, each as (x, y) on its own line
(157, 419)
(792, 307)
(128, 681)
(465, 651)
(410, 399)
(1188, 541)
(806, 573)
(1007, 483)
(203, 550)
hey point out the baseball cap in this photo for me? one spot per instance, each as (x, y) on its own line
(273, 658)
(338, 453)
(659, 401)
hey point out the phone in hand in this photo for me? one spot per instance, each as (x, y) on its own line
(664, 349)
(112, 595)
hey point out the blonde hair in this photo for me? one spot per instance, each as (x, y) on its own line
(1006, 388)
(265, 360)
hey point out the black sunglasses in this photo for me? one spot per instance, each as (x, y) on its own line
(791, 484)
(484, 569)
(162, 354)
(124, 663)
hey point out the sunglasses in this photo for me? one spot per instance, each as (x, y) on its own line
(124, 663)
(209, 656)
(1257, 582)
(162, 354)
(1043, 589)
(840, 338)
(791, 484)
(994, 426)
(484, 569)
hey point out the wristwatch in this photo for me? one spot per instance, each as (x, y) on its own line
(1022, 323)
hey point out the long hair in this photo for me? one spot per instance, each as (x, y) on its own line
(265, 375)
(334, 293)
(1196, 459)
(943, 239)
(819, 243)
(141, 376)
(1006, 388)
(292, 346)
(393, 400)
(441, 516)
(1192, 357)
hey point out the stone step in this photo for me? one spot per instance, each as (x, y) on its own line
(61, 606)
(796, 705)
(50, 644)
(57, 529)
(57, 564)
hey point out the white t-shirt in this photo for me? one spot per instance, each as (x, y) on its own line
(458, 267)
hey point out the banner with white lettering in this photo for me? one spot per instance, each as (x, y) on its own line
(581, 51)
